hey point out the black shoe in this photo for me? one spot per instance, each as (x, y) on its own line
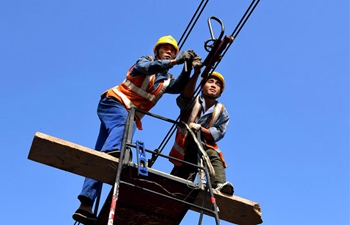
(84, 217)
(225, 188)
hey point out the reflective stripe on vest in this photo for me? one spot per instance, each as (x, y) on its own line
(151, 98)
(144, 98)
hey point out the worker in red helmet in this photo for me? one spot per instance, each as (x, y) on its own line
(145, 83)
(204, 114)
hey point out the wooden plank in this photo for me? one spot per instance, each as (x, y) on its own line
(87, 162)
(73, 158)
(233, 208)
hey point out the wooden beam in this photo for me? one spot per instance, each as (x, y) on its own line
(100, 166)
(233, 208)
(73, 158)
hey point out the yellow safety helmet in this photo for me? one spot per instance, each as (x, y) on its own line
(166, 40)
(220, 77)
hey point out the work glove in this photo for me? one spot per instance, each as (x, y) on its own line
(197, 64)
(195, 126)
(192, 53)
(185, 56)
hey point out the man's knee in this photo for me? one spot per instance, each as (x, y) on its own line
(211, 152)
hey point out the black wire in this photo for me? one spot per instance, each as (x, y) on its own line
(194, 18)
(242, 22)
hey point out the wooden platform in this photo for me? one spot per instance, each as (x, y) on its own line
(87, 162)
(138, 204)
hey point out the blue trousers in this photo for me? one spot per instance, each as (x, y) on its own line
(112, 115)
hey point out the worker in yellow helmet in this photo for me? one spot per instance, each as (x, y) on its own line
(166, 40)
(204, 114)
(145, 83)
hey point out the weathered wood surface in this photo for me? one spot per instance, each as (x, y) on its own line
(87, 162)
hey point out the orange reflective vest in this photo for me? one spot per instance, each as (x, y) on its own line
(139, 92)
(181, 140)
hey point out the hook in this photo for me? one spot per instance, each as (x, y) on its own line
(209, 44)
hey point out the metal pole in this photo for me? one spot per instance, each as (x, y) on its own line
(126, 139)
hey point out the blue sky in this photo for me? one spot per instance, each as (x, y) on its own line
(287, 93)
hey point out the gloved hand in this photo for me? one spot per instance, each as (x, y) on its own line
(195, 126)
(197, 64)
(193, 54)
(185, 56)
